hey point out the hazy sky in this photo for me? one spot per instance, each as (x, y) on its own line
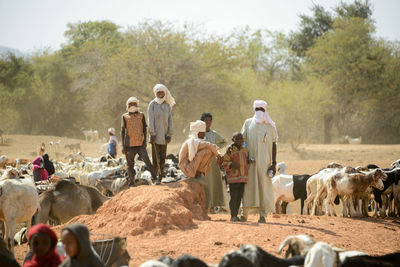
(28, 25)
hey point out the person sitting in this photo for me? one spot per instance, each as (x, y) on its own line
(196, 154)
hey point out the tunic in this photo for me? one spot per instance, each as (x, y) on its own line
(213, 179)
(258, 191)
(160, 121)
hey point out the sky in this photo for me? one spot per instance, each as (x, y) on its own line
(30, 25)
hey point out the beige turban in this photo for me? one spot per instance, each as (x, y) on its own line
(193, 143)
(167, 98)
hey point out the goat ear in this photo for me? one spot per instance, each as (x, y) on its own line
(336, 249)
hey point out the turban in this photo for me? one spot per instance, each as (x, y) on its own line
(265, 118)
(195, 128)
(167, 98)
(132, 100)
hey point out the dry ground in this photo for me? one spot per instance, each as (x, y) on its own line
(210, 240)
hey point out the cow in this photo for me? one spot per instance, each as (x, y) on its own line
(67, 200)
(19, 201)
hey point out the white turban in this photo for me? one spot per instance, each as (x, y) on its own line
(132, 100)
(167, 98)
(111, 130)
(193, 143)
(265, 118)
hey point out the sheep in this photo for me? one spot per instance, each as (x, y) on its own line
(297, 245)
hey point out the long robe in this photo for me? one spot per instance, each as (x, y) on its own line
(213, 179)
(258, 191)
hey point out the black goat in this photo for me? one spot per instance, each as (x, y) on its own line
(257, 257)
(388, 260)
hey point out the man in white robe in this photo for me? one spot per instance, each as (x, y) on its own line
(261, 136)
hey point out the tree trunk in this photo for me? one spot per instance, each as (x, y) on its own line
(328, 118)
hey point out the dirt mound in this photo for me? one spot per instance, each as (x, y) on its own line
(152, 209)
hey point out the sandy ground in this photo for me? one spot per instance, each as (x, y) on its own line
(210, 240)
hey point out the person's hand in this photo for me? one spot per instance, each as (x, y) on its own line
(123, 151)
(273, 168)
(144, 144)
(235, 165)
(153, 139)
(251, 161)
(168, 139)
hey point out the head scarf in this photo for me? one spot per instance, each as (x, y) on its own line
(111, 130)
(38, 163)
(167, 98)
(263, 117)
(131, 100)
(87, 256)
(195, 128)
(52, 258)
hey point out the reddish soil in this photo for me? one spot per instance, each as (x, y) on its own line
(167, 219)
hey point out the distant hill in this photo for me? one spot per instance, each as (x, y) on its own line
(4, 50)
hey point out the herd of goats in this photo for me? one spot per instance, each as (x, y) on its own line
(361, 190)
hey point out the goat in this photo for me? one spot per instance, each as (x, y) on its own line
(353, 185)
(388, 260)
(322, 254)
(258, 257)
(353, 141)
(297, 245)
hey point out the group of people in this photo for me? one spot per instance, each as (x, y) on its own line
(246, 162)
(45, 251)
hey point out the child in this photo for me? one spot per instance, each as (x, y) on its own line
(75, 238)
(112, 144)
(42, 241)
(235, 165)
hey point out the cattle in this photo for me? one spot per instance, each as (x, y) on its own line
(67, 200)
(19, 201)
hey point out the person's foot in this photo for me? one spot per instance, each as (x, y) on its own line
(243, 219)
(235, 219)
(262, 219)
(155, 181)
